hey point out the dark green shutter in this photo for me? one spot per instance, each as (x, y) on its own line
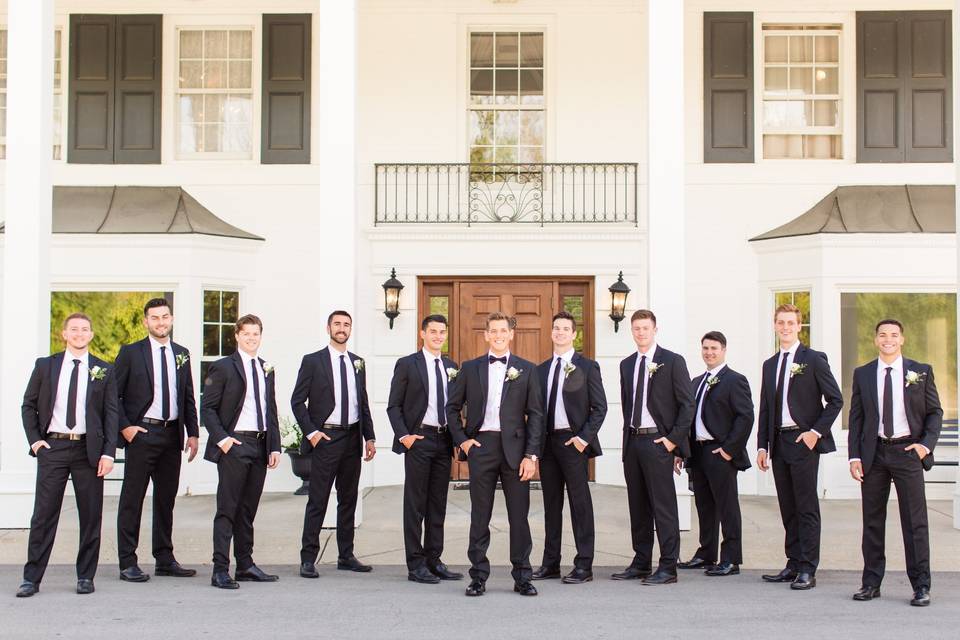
(138, 88)
(91, 94)
(285, 126)
(728, 87)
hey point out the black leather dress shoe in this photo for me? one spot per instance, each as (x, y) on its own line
(866, 593)
(787, 575)
(546, 573)
(631, 573)
(254, 574)
(308, 570)
(28, 589)
(660, 576)
(174, 570)
(423, 576)
(85, 586)
(133, 574)
(577, 576)
(222, 580)
(525, 588)
(476, 588)
(441, 571)
(695, 562)
(723, 569)
(804, 581)
(352, 564)
(921, 597)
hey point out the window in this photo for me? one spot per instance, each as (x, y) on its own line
(506, 111)
(802, 300)
(117, 317)
(441, 305)
(215, 92)
(57, 94)
(801, 91)
(221, 309)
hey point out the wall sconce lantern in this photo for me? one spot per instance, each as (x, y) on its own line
(618, 301)
(391, 297)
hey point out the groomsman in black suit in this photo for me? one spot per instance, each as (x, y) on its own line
(70, 418)
(575, 407)
(799, 401)
(501, 441)
(657, 414)
(723, 420)
(331, 407)
(416, 408)
(895, 420)
(239, 409)
(157, 406)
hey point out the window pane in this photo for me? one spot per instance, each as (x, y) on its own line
(212, 108)
(211, 137)
(801, 49)
(775, 80)
(231, 306)
(441, 305)
(827, 80)
(240, 73)
(530, 155)
(801, 81)
(241, 45)
(782, 146)
(826, 113)
(228, 340)
(215, 74)
(531, 86)
(191, 44)
(481, 87)
(117, 318)
(775, 48)
(481, 50)
(211, 340)
(574, 306)
(828, 49)
(481, 154)
(481, 127)
(211, 306)
(191, 75)
(506, 91)
(782, 114)
(531, 128)
(531, 49)
(191, 138)
(802, 300)
(507, 49)
(214, 44)
(506, 154)
(191, 108)
(506, 131)
(238, 109)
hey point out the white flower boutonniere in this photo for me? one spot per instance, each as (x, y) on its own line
(568, 368)
(653, 367)
(712, 381)
(267, 369)
(513, 374)
(452, 374)
(914, 377)
(97, 373)
(797, 369)
(182, 359)
(358, 365)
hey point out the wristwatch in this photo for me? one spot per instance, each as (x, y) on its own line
(532, 457)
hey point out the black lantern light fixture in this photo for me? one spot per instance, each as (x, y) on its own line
(618, 301)
(391, 297)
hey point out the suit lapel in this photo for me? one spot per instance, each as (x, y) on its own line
(484, 369)
(506, 383)
(93, 362)
(421, 364)
(238, 363)
(327, 368)
(869, 382)
(148, 361)
(627, 370)
(798, 358)
(56, 363)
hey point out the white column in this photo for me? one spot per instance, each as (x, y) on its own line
(956, 165)
(665, 170)
(24, 333)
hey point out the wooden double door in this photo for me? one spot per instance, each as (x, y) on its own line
(532, 301)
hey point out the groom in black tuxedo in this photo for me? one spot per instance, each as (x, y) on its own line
(895, 420)
(575, 408)
(70, 418)
(799, 402)
(501, 439)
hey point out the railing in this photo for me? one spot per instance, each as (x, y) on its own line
(475, 193)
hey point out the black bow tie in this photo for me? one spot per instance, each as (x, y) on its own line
(502, 359)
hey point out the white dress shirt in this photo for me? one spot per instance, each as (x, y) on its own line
(156, 407)
(901, 428)
(58, 422)
(646, 420)
(353, 411)
(432, 416)
(560, 420)
(788, 420)
(702, 433)
(496, 374)
(248, 413)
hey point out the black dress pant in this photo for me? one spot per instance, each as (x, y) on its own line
(652, 497)
(152, 456)
(64, 458)
(427, 478)
(488, 465)
(904, 468)
(564, 467)
(718, 504)
(334, 462)
(795, 468)
(242, 471)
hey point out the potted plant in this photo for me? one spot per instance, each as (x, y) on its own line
(290, 437)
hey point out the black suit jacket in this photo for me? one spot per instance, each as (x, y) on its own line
(805, 397)
(101, 403)
(727, 415)
(521, 407)
(134, 372)
(669, 399)
(921, 402)
(313, 397)
(584, 400)
(223, 394)
(409, 389)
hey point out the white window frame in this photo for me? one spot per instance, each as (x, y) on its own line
(203, 323)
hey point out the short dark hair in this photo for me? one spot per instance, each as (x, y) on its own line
(433, 317)
(897, 323)
(643, 314)
(565, 315)
(716, 336)
(338, 312)
(247, 320)
(77, 316)
(499, 315)
(154, 303)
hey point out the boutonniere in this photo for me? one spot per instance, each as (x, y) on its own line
(797, 369)
(568, 369)
(914, 377)
(358, 365)
(181, 359)
(97, 373)
(712, 381)
(267, 369)
(513, 374)
(653, 367)
(452, 374)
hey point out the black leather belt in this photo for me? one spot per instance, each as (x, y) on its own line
(67, 436)
(644, 431)
(250, 435)
(896, 441)
(788, 428)
(429, 428)
(340, 427)
(570, 431)
(158, 423)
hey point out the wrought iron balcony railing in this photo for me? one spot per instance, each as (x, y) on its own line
(475, 193)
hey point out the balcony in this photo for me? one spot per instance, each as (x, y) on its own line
(486, 193)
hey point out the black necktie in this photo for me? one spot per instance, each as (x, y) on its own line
(778, 409)
(502, 359)
(165, 383)
(344, 394)
(552, 396)
(638, 396)
(256, 393)
(700, 391)
(441, 413)
(72, 395)
(888, 404)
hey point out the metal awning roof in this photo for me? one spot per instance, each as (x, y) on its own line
(104, 210)
(876, 209)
